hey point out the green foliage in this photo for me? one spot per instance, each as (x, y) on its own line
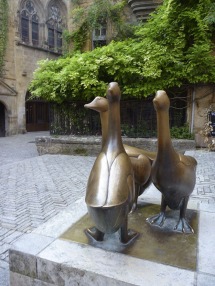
(72, 118)
(78, 37)
(172, 49)
(140, 130)
(210, 17)
(3, 30)
(95, 15)
(182, 132)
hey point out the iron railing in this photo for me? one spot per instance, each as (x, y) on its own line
(138, 118)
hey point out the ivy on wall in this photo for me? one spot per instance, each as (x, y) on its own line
(3, 31)
(95, 15)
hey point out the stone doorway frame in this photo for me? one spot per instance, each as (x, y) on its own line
(8, 98)
(2, 120)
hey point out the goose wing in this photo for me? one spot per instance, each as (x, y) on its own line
(110, 186)
(97, 186)
(135, 152)
(121, 181)
(187, 160)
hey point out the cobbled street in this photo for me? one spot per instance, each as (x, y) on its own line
(35, 188)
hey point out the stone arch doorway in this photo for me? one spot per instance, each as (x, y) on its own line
(37, 114)
(2, 120)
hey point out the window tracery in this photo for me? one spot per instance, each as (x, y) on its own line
(55, 26)
(29, 22)
(42, 26)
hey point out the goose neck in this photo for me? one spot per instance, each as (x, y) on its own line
(114, 130)
(164, 137)
(104, 125)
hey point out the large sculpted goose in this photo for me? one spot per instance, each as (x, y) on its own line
(140, 159)
(173, 174)
(110, 190)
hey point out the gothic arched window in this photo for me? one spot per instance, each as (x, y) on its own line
(55, 26)
(29, 22)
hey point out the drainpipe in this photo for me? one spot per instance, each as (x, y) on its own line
(193, 110)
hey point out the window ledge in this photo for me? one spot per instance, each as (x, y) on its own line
(20, 43)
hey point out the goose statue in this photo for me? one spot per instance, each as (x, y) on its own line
(110, 192)
(141, 163)
(173, 174)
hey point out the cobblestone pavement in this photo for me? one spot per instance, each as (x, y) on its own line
(35, 188)
(205, 182)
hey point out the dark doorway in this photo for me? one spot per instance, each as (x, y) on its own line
(37, 116)
(2, 120)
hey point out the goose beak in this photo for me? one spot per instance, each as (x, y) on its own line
(87, 105)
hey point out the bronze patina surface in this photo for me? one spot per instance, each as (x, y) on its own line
(162, 245)
(141, 160)
(173, 174)
(110, 192)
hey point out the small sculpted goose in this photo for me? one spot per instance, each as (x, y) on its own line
(110, 190)
(141, 163)
(173, 174)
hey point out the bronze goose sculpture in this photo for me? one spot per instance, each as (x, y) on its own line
(140, 162)
(110, 190)
(173, 174)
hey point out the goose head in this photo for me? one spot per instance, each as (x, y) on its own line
(161, 101)
(99, 104)
(113, 92)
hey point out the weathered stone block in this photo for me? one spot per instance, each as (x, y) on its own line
(17, 279)
(22, 263)
(91, 145)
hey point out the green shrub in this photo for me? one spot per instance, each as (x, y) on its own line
(182, 132)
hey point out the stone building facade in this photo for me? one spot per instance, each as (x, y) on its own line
(35, 33)
(201, 103)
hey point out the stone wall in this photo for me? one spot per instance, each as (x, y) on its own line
(91, 146)
(199, 100)
(20, 62)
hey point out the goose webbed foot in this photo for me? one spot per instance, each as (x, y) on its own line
(128, 237)
(94, 233)
(183, 226)
(157, 220)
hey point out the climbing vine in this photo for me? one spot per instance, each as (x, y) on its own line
(97, 14)
(3, 31)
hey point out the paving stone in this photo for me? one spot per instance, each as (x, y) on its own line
(12, 237)
(205, 280)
